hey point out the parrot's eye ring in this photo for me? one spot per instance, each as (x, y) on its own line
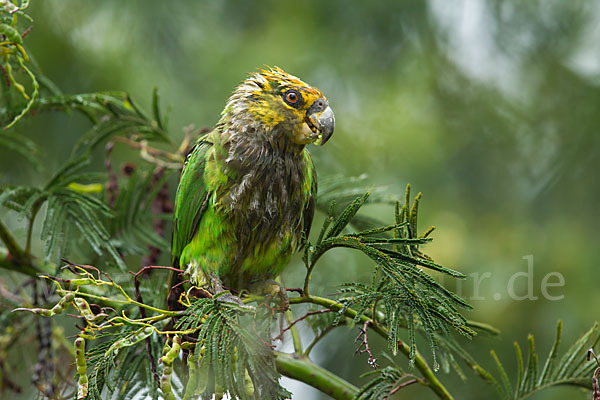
(292, 97)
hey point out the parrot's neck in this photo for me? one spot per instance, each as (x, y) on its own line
(261, 150)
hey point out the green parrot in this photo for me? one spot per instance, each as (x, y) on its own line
(246, 197)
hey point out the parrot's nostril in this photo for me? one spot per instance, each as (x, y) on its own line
(318, 106)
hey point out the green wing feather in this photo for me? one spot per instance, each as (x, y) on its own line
(191, 199)
(309, 210)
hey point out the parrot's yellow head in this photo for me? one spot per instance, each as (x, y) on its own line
(274, 101)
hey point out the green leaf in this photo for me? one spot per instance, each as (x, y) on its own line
(346, 216)
(573, 369)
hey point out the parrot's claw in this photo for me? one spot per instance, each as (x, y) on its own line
(221, 293)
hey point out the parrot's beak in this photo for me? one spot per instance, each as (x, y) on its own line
(320, 120)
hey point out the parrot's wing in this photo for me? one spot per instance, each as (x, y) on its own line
(309, 210)
(191, 199)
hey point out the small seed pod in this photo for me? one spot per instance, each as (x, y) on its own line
(86, 311)
(11, 33)
(169, 355)
(57, 309)
(81, 281)
(130, 340)
(82, 383)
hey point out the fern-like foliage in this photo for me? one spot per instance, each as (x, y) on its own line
(16, 64)
(73, 198)
(117, 366)
(385, 382)
(111, 113)
(131, 226)
(240, 361)
(451, 352)
(69, 208)
(401, 289)
(572, 368)
(336, 192)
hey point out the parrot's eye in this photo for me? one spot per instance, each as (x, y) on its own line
(292, 97)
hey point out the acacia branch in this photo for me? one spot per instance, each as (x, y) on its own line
(17, 259)
(295, 336)
(431, 380)
(9, 263)
(302, 369)
(11, 244)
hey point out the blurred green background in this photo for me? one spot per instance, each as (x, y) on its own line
(490, 108)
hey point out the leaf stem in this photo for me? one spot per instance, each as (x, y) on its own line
(34, 210)
(11, 244)
(17, 259)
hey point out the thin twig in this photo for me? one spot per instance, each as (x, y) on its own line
(5, 75)
(296, 290)
(112, 187)
(308, 314)
(363, 347)
(26, 32)
(8, 295)
(321, 335)
(70, 264)
(402, 385)
(151, 154)
(147, 267)
(138, 297)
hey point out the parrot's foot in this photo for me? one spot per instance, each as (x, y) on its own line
(221, 293)
(271, 289)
